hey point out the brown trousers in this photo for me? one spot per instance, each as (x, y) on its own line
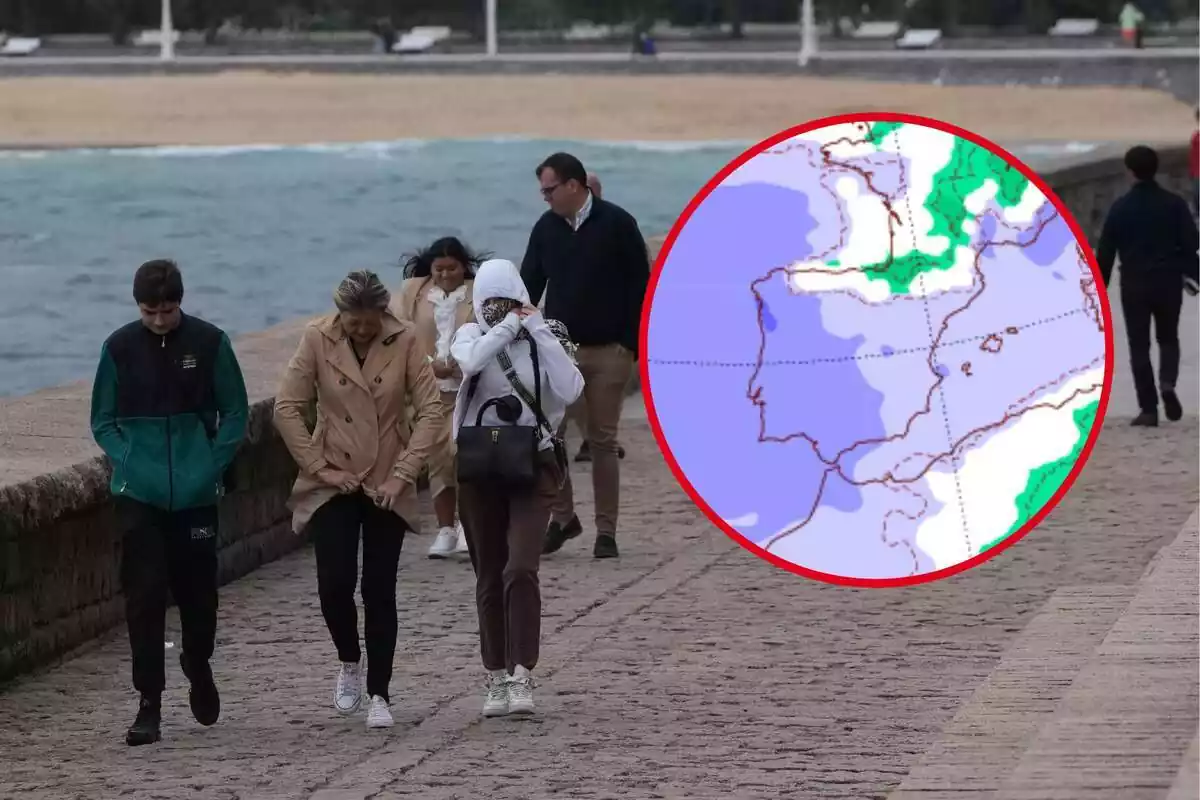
(606, 371)
(504, 532)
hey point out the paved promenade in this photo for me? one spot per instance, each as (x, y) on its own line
(690, 669)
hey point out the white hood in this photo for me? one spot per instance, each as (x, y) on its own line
(497, 277)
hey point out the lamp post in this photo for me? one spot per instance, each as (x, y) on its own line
(490, 19)
(166, 48)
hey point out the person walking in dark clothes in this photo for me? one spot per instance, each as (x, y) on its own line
(169, 411)
(589, 257)
(1153, 232)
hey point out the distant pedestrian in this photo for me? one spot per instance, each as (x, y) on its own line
(436, 298)
(358, 470)
(1153, 232)
(590, 258)
(519, 371)
(1194, 165)
(1133, 23)
(169, 410)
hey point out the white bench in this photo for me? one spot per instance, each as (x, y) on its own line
(919, 38)
(153, 38)
(421, 39)
(879, 29)
(1075, 27)
(20, 46)
(587, 32)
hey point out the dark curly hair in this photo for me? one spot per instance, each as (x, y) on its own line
(420, 264)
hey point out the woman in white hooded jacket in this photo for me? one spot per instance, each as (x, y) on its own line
(505, 526)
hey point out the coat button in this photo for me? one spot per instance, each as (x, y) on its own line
(379, 380)
(342, 382)
(348, 418)
(347, 455)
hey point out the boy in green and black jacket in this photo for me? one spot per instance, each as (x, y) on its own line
(169, 410)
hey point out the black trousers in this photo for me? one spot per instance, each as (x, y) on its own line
(164, 550)
(336, 529)
(1157, 299)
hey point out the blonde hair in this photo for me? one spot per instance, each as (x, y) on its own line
(361, 290)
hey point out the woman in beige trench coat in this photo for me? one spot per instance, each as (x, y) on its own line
(358, 469)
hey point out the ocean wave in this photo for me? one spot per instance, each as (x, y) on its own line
(674, 146)
(387, 148)
(382, 147)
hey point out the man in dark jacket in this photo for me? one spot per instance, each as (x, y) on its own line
(1153, 232)
(590, 258)
(169, 410)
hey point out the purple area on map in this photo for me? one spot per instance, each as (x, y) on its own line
(1046, 247)
(880, 543)
(1042, 241)
(1032, 301)
(810, 381)
(703, 310)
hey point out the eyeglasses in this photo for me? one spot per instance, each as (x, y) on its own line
(549, 190)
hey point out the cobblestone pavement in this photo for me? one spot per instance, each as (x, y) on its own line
(687, 668)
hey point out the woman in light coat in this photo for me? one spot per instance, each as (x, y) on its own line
(436, 298)
(505, 526)
(358, 469)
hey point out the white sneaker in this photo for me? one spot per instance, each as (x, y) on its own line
(378, 713)
(347, 694)
(520, 692)
(461, 547)
(443, 543)
(495, 703)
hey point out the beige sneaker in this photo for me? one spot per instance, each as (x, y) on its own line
(520, 692)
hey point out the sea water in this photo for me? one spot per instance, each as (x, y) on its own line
(264, 233)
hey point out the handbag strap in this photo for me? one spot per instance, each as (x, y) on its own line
(534, 403)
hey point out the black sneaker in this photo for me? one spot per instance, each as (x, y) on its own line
(1171, 405)
(557, 535)
(202, 696)
(606, 546)
(1146, 419)
(146, 728)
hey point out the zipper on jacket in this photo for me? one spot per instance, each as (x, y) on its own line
(170, 466)
(124, 470)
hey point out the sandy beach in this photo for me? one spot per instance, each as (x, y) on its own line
(250, 108)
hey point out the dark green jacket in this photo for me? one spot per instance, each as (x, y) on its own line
(169, 412)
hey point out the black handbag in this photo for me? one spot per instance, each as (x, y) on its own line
(504, 454)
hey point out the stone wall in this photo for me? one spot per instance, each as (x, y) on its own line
(59, 547)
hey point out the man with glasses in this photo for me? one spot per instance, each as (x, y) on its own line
(589, 257)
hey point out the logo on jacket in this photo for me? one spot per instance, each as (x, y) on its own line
(187, 362)
(202, 533)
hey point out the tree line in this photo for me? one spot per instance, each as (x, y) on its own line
(118, 18)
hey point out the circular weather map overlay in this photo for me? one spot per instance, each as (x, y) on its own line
(876, 350)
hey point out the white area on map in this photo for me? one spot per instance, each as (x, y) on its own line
(927, 151)
(994, 471)
(1024, 212)
(744, 521)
